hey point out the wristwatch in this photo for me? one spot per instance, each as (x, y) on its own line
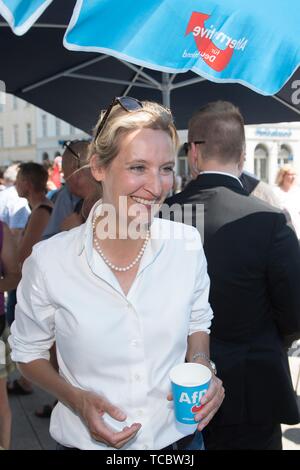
(205, 356)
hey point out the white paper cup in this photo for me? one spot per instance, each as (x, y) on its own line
(190, 383)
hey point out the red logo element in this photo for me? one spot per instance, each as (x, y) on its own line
(214, 57)
(196, 408)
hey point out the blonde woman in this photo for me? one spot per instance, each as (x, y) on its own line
(124, 301)
(288, 193)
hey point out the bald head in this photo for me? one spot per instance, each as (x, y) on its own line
(74, 157)
(221, 125)
(78, 178)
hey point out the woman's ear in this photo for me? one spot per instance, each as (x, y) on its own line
(96, 170)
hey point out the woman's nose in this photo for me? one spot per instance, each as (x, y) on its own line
(154, 185)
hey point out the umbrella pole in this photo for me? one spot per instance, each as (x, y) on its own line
(166, 89)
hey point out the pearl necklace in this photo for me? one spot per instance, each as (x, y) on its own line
(111, 265)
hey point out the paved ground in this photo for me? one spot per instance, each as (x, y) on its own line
(31, 433)
(28, 431)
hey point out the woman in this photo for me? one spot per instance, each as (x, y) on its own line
(288, 194)
(123, 300)
(10, 278)
(31, 184)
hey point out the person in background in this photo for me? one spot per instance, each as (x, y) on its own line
(51, 186)
(253, 261)
(31, 184)
(73, 158)
(259, 188)
(9, 280)
(102, 298)
(56, 174)
(14, 211)
(288, 193)
(80, 183)
(82, 209)
(2, 182)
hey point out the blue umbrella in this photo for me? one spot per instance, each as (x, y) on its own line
(253, 43)
(22, 14)
(221, 40)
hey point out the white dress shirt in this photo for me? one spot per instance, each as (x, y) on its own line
(119, 346)
(14, 210)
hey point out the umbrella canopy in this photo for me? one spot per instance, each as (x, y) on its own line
(75, 85)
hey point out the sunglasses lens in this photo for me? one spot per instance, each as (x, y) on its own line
(130, 104)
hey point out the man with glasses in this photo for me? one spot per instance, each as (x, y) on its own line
(77, 184)
(254, 267)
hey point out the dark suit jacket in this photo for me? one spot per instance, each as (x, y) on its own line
(254, 266)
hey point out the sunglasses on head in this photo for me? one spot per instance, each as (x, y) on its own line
(127, 103)
(187, 145)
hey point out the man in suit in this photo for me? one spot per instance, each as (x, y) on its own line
(254, 266)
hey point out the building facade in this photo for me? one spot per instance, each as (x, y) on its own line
(51, 132)
(17, 130)
(268, 147)
(28, 133)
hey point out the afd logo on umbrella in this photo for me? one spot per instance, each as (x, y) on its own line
(205, 38)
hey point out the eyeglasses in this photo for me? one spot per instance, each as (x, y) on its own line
(68, 145)
(127, 103)
(186, 146)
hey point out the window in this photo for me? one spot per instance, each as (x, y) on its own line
(29, 134)
(261, 162)
(284, 155)
(16, 135)
(44, 125)
(15, 102)
(1, 137)
(57, 127)
(72, 129)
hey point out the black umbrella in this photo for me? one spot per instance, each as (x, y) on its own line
(74, 86)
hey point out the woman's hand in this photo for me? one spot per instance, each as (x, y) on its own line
(211, 402)
(92, 407)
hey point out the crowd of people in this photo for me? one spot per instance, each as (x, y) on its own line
(104, 299)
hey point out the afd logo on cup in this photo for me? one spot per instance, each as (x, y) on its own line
(190, 382)
(194, 400)
(188, 402)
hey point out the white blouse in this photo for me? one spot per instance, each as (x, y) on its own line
(119, 346)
